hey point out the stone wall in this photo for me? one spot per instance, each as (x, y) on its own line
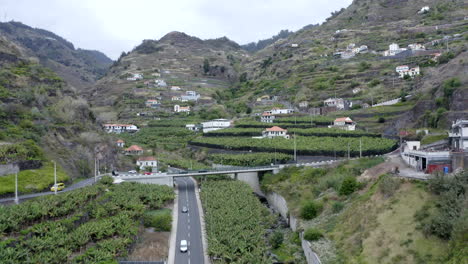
(311, 256)
(8, 169)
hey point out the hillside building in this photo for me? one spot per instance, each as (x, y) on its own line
(152, 103)
(344, 123)
(145, 162)
(339, 103)
(393, 49)
(275, 131)
(190, 96)
(458, 136)
(194, 127)
(133, 150)
(181, 109)
(405, 70)
(267, 117)
(135, 77)
(120, 143)
(120, 128)
(215, 124)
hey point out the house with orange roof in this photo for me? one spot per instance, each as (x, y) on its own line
(344, 123)
(275, 131)
(267, 117)
(120, 143)
(180, 109)
(133, 150)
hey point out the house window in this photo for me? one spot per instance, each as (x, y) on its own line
(414, 147)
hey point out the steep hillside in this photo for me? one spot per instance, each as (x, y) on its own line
(78, 67)
(43, 119)
(306, 66)
(191, 64)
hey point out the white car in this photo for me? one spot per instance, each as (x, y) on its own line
(183, 246)
(132, 172)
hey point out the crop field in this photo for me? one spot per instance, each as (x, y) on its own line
(319, 132)
(235, 223)
(250, 159)
(92, 225)
(326, 146)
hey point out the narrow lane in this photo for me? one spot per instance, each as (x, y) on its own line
(188, 226)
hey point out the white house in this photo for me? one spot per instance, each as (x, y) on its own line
(135, 77)
(215, 124)
(267, 117)
(424, 10)
(193, 127)
(176, 98)
(405, 70)
(459, 135)
(181, 109)
(119, 128)
(175, 88)
(393, 49)
(304, 104)
(144, 162)
(411, 145)
(152, 103)
(294, 45)
(275, 131)
(356, 90)
(281, 111)
(190, 96)
(160, 83)
(344, 123)
(120, 143)
(339, 103)
(416, 46)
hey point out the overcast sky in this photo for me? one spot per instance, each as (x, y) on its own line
(113, 26)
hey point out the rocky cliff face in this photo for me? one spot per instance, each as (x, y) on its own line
(80, 68)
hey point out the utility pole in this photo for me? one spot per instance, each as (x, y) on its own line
(295, 150)
(95, 169)
(360, 147)
(16, 188)
(348, 151)
(55, 177)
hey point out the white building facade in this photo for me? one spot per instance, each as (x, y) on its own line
(215, 124)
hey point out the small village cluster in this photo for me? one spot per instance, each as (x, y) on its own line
(143, 162)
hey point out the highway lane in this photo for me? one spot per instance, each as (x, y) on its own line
(72, 187)
(188, 226)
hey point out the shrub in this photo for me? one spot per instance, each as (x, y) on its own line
(106, 180)
(161, 220)
(381, 120)
(445, 57)
(310, 210)
(312, 234)
(364, 66)
(374, 83)
(276, 239)
(389, 186)
(337, 207)
(348, 186)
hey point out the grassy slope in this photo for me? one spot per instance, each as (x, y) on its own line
(33, 180)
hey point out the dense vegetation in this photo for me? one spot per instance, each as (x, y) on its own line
(319, 132)
(250, 159)
(235, 223)
(329, 146)
(89, 225)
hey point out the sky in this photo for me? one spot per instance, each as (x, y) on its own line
(113, 26)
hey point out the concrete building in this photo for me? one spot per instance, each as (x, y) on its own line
(120, 128)
(281, 111)
(267, 117)
(339, 103)
(404, 70)
(120, 143)
(275, 131)
(426, 161)
(144, 162)
(181, 109)
(215, 124)
(190, 96)
(133, 150)
(152, 103)
(458, 136)
(194, 127)
(344, 123)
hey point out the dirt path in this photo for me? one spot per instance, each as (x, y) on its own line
(153, 246)
(392, 161)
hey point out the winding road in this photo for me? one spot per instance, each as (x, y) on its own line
(188, 224)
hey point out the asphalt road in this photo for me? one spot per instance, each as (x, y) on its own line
(72, 187)
(188, 224)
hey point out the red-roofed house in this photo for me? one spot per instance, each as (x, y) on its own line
(344, 123)
(144, 162)
(267, 117)
(134, 150)
(120, 143)
(275, 131)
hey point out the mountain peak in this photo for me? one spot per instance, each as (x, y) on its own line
(179, 37)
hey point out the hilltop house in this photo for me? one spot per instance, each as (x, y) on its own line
(404, 70)
(144, 162)
(275, 131)
(119, 128)
(267, 117)
(120, 143)
(281, 111)
(135, 77)
(344, 123)
(133, 150)
(393, 49)
(181, 109)
(152, 103)
(190, 96)
(215, 124)
(339, 103)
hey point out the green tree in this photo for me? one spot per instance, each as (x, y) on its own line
(206, 66)
(276, 239)
(348, 186)
(310, 210)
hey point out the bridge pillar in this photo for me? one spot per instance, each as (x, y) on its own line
(251, 178)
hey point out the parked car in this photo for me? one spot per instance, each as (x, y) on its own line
(147, 173)
(184, 209)
(132, 171)
(59, 186)
(183, 246)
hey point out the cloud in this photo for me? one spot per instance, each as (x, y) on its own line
(113, 26)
